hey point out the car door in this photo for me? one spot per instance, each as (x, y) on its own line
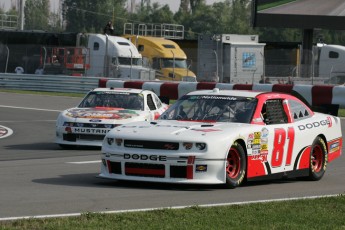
(277, 137)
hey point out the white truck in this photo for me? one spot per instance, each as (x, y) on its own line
(327, 66)
(230, 58)
(97, 55)
(330, 63)
(114, 57)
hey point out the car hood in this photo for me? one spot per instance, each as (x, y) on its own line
(101, 113)
(178, 130)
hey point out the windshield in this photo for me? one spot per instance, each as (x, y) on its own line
(169, 63)
(123, 100)
(210, 108)
(127, 61)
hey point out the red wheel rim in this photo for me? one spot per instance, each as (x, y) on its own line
(233, 165)
(317, 159)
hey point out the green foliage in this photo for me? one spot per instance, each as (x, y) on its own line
(222, 17)
(92, 16)
(37, 14)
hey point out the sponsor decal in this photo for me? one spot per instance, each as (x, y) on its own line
(257, 135)
(115, 92)
(264, 140)
(315, 124)
(259, 145)
(264, 147)
(264, 132)
(210, 97)
(334, 147)
(96, 114)
(144, 157)
(261, 156)
(95, 120)
(329, 119)
(90, 131)
(200, 168)
(256, 151)
(169, 147)
(256, 142)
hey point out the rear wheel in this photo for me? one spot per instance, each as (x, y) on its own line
(236, 164)
(318, 159)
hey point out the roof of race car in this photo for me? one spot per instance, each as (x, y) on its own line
(216, 91)
(121, 90)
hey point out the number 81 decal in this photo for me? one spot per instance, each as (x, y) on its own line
(278, 146)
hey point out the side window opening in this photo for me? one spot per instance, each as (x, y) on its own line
(273, 112)
(298, 110)
(150, 102)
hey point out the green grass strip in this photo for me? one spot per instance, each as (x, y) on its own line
(320, 213)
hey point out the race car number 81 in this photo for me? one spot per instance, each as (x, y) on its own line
(278, 146)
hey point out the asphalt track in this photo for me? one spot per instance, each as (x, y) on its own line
(310, 7)
(39, 178)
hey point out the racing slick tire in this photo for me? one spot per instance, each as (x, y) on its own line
(236, 166)
(318, 159)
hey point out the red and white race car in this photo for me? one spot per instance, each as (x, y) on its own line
(103, 109)
(224, 137)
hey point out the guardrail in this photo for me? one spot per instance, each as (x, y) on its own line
(48, 83)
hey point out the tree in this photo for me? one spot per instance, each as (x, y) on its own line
(36, 14)
(196, 3)
(92, 16)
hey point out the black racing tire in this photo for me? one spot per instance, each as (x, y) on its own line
(236, 166)
(318, 159)
(67, 146)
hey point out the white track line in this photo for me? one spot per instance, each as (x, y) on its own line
(174, 207)
(15, 107)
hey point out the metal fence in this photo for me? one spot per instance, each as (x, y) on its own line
(48, 83)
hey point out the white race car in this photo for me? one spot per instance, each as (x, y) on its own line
(103, 109)
(224, 137)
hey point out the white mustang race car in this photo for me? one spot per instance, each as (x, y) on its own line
(224, 137)
(103, 109)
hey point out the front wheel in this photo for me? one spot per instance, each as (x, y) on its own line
(236, 164)
(318, 159)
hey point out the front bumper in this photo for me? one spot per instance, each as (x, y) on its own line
(170, 169)
(86, 138)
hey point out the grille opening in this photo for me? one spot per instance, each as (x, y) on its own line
(178, 171)
(114, 167)
(145, 170)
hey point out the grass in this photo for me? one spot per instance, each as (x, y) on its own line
(273, 4)
(320, 213)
